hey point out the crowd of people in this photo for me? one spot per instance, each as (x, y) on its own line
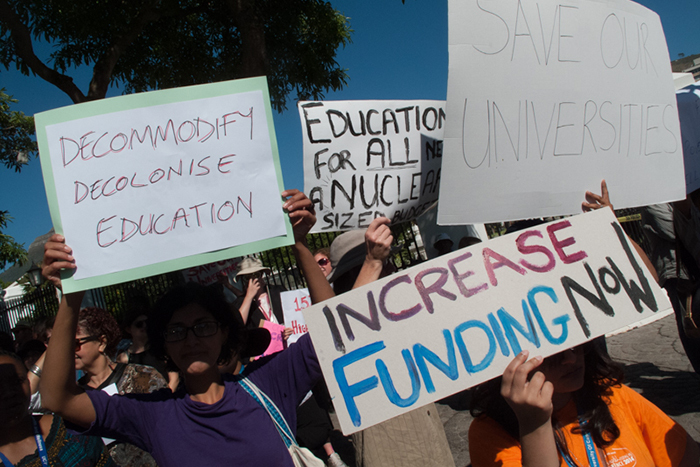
(206, 376)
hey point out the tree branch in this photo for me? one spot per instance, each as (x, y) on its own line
(102, 72)
(24, 49)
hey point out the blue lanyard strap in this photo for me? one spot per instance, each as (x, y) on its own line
(40, 446)
(587, 442)
(5, 461)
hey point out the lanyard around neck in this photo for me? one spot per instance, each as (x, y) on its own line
(587, 442)
(40, 446)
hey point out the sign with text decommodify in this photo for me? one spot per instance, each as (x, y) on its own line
(547, 98)
(368, 159)
(165, 180)
(448, 324)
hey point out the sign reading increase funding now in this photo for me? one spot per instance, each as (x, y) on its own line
(446, 325)
(368, 159)
(148, 183)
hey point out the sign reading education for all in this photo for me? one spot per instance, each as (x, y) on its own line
(368, 159)
(443, 326)
(546, 98)
(165, 180)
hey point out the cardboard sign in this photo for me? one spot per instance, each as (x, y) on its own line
(368, 159)
(293, 302)
(545, 99)
(148, 183)
(208, 274)
(689, 113)
(448, 324)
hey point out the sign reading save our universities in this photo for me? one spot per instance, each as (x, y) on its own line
(368, 159)
(546, 98)
(154, 182)
(448, 324)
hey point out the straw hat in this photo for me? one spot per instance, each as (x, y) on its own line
(348, 250)
(249, 265)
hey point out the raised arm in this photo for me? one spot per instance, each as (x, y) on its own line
(531, 400)
(303, 217)
(595, 201)
(59, 391)
(250, 294)
(378, 240)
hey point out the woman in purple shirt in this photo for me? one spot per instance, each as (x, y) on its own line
(211, 420)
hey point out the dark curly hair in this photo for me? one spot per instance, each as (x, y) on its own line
(98, 322)
(601, 373)
(212, 300)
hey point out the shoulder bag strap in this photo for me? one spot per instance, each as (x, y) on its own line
(272, 410)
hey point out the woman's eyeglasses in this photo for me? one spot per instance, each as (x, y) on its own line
(323, 261)
(178, 333)
(139, 324)
(84, 340)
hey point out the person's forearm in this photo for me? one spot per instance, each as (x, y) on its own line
(58, 374)
(370, 272)
(319, 288)
(244, 309)
(538, 446)
(32, 375)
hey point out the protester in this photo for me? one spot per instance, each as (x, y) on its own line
(211, 419)
(442, 243)
(134, 327)
(322, 257)
(24, 439)
(673, 272)
(261, 306)
(23, 332)
(571, 409)
(416, 438)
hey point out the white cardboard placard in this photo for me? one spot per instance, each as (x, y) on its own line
(368, 159)
(293, 303)
(458, 320)
(545, 99)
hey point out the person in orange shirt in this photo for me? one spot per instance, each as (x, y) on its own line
(571, 409)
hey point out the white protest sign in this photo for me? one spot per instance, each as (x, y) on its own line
(368, 159)
(448, 324)
(151, 182)
(293, 302)
(689, 114)
(545, 99)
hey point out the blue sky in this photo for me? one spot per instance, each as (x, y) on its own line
(397, 52)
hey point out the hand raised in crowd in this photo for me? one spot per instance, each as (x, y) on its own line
(57, 256)
(254, 286)
(301, 213)
(287, 332)
(378, 239)
(530, 397)
(594, 201)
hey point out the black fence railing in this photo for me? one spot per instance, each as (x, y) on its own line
(33, 306)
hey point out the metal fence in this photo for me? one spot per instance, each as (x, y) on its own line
(33, 306)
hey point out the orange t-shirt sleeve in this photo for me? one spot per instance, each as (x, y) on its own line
(665, 439)
(490, 445)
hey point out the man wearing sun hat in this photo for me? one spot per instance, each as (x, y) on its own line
(261, 305)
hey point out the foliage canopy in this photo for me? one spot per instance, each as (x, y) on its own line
(156, 44)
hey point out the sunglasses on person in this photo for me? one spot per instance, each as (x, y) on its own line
(323, 261)
(139, 324)
(179, 333)
(254, 275)
(84, 340)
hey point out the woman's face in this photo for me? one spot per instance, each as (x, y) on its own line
(138, 328)
(194, 354)
(565, 370)
(14, 390)
(90, 351)
(324, 263)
